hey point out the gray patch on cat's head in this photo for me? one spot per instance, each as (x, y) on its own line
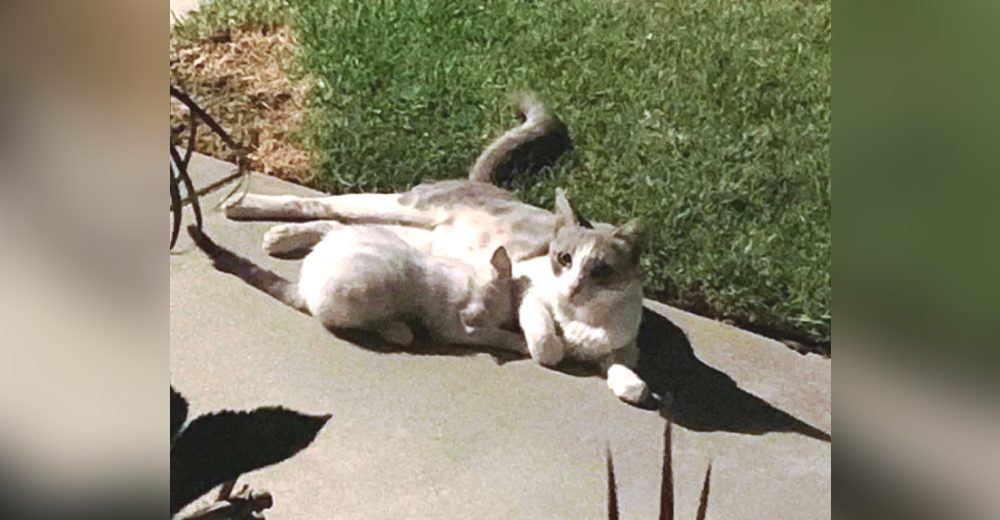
(605, 256)
(620, 248)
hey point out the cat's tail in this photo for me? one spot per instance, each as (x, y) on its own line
(537, 142)
(269, 282)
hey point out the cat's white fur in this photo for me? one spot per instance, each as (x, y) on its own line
(597, 327)
(590, 331)
(366, 277)
(603, 331)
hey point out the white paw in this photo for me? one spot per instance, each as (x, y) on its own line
(236, 207)
(626, 385)
(397, 333)
(246, 206)
(283, 238)
(547, 351)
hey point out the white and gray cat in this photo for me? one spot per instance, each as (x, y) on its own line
(584, 297)
(366, 277)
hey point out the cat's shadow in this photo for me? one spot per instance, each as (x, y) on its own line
(704, 398)
(421, 346)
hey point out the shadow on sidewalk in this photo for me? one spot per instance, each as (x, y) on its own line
(705, 398)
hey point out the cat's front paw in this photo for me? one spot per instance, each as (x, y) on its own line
(548, 350)
(627, 385)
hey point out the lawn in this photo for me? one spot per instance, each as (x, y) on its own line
(708, 118)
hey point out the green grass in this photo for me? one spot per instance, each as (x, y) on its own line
(709, 118)
(213, 16)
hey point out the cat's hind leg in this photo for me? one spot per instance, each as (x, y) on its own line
(285, 239)
(356, 208)
(396, 333)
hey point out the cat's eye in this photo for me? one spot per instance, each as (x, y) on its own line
(601, 271)
(565, 259)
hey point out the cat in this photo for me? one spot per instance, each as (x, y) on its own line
(584, 300)
(587, 308)
(367, 278)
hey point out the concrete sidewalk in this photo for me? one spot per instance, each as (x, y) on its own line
(459, 435)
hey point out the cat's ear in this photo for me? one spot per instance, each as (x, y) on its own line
(635, 234)
(564, 212)
(501, 262)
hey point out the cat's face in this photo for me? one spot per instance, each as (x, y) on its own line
(589, 259)
(492, 304)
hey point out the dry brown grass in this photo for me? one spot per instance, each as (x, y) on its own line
(242, 78)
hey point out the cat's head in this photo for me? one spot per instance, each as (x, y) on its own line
(589, 258)
(491, 304)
